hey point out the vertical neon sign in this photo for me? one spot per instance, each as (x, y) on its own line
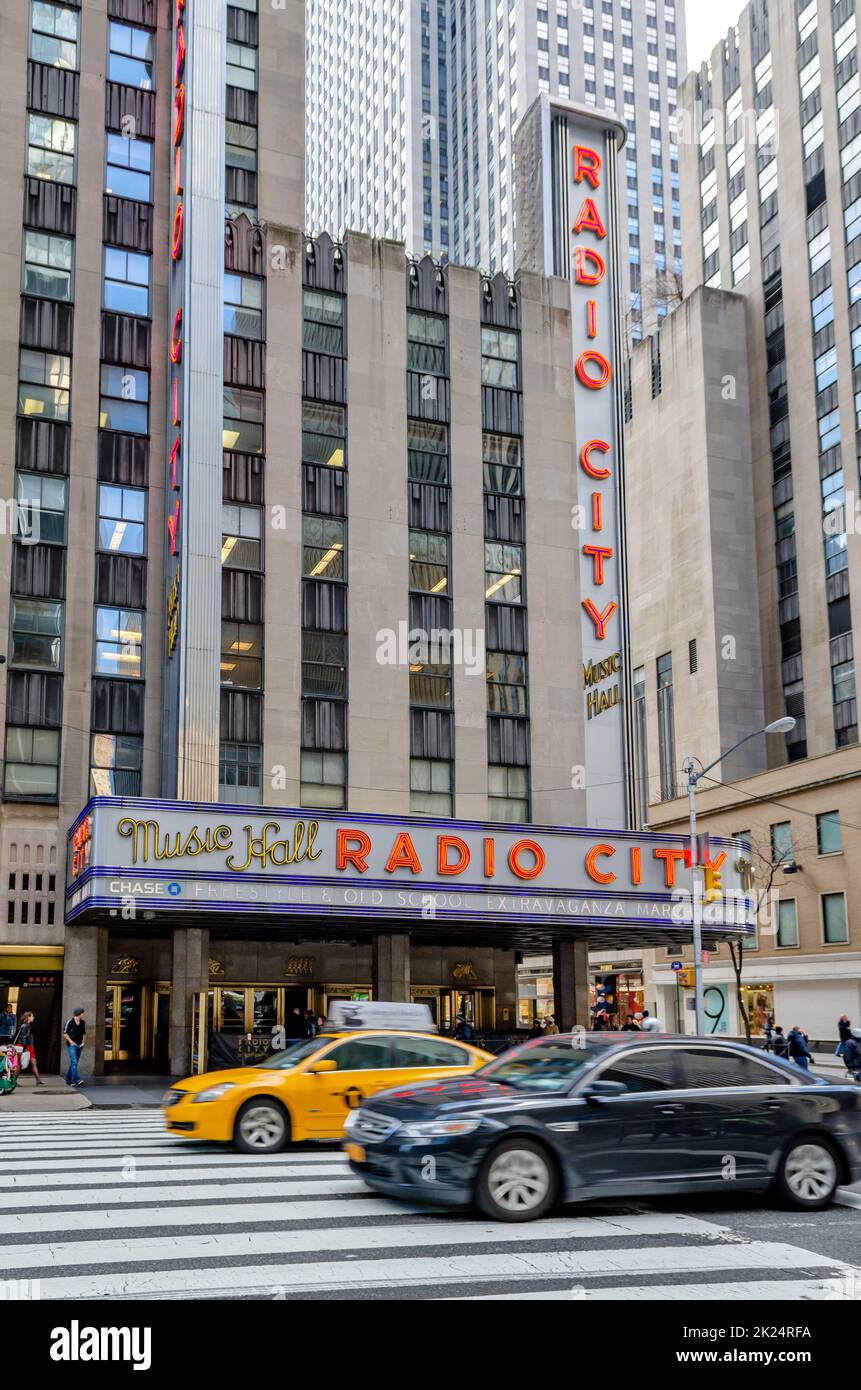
(175, 344)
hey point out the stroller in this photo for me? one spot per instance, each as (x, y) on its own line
(10, 1065)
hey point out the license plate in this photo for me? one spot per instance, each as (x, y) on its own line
(355, 1152)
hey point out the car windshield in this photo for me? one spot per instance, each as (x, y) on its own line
(296, 1052)
(543, 1067)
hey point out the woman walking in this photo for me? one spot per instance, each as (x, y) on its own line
(25, 1038)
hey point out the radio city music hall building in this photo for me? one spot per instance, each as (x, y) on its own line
(315, 578)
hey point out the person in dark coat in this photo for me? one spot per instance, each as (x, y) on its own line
(852, 1053)
(779, 1043)
(294, 1025)
(844, 1029)
(799, 1052)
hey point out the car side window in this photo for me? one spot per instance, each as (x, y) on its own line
(362, 1054)
(428, 1052)
(720, 1067)
(642, 1070)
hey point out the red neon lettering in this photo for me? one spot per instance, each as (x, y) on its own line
(592, 319)
(529, 847)
(589, 220)
(595, 446)
(176, 235)
(175, 402)
(587, 165)
(174, 456)
(180, 54)
(173, 528)
(403, 855)
(600, 619)
(180, 6)
(176, 338)
(585, 256)
(670, 857)
(179, 113)
(596, 874)
(352, 847)
(597, 512)
(594, 383)
(489, 858)
(461, 848)
(636, 865)
(599, 554)
(177, 172)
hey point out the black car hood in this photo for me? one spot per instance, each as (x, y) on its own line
(461, 1093)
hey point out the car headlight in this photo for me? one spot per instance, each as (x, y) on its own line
(432, 1129)
(351, 1120)
(214, 1092)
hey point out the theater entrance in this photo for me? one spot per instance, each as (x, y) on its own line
(137, 1021)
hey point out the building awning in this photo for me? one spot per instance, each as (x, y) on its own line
(237, 868)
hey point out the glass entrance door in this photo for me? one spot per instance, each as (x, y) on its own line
(125, 1023)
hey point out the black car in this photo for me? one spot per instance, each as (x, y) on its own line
(575, 1117)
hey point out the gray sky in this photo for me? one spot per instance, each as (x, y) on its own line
(707, 23)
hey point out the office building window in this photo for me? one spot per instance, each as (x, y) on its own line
(44, 379)
(781, 843)
(427, 452)
(124, 402)
(240, 537)
(242, 656)
(128, 168)
(54, 35)
(48, 266)
(51, 145)
(641, 748)
(119, 640)
(323, 322)
(243, 306)
(32, 763)
(37, 634)
(503, 566)
(126, 282)
(787, 922)
(835, 928)
(131, 57)
(428, 562)
(243, 420)
(666, 727)
(323, 540)
(426, 343)
(502, 456)
(828, 838)
(115, 765)
(242, 66)
(239, 771)
(508, 794)
(506, 683)
(324, 665)
(322, 780)
(324, 434)
(41, 508)
(122, 519)
(430, 787)
(500, 352)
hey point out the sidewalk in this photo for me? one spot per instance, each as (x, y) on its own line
(54, 1095)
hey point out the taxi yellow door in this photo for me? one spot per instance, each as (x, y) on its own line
(362, 1067)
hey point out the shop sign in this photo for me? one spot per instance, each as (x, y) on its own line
(176, 856)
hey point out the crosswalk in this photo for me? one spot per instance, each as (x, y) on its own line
(106, 1205)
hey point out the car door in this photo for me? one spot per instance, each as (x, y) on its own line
(363, 1066)
(738, 1111)
(419, 1058)
(630, 1143)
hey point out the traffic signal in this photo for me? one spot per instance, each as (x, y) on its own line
(714, 884)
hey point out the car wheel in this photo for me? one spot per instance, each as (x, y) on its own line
(517, 1182)
(809, 1173)
(262, 1127)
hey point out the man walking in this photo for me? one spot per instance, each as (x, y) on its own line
(648, 1024)
(8, 1024)
(74, 1034)
(799, 1052)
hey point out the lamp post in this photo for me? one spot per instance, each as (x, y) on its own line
(778, 726)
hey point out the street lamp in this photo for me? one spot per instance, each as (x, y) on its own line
(778, 726)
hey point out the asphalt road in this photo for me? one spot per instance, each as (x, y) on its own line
(105, 1205)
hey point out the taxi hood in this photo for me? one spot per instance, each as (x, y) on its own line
(193, 1085)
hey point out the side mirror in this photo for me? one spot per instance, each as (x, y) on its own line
(598, 1091)
(324, 1064)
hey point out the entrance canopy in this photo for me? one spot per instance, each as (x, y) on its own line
(523, 886)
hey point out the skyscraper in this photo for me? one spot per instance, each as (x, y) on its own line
(411, 113)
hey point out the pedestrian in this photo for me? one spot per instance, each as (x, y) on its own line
(294, 1027)
(768, 1030)
(550, 1025)
(844, 1030)
(464, 1029)
(600, 1022)
(648, 1024)
(852, 1053)
(310, 1025)
(630, 1025)
(799, 1051)
(25, 1038)
(779, 1043)
(8, 1024)
(74, 1033)
(320, 1024)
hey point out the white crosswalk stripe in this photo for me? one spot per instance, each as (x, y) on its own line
(102, 1205)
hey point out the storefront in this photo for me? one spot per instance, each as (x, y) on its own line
(31, 982)
(204, 929)
(617, 991)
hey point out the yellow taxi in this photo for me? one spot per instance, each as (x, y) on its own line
(308, 1090)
